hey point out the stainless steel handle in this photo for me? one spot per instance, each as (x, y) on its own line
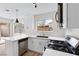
(56, 17)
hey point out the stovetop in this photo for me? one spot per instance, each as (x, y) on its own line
(62, 46)
(59, 48)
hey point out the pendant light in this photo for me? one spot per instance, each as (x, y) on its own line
(17, 21)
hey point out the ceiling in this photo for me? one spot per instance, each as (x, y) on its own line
(24, 9)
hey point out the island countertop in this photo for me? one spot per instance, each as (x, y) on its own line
(16, 37)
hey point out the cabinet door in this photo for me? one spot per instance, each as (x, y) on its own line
(36, 45)
(30, 44)
(73, 15)
(39, 45)
(42, 44)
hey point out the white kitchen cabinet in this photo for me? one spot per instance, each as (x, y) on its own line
(30, 44)
(73, 15)
(11, 48)
(37, 44)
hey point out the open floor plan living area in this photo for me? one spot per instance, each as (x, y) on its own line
(39, 29)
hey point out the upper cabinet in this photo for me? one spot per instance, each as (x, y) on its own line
(73, 15)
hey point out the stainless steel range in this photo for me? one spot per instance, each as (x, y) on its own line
(70, 45)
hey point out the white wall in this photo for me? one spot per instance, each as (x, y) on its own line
(56, 30)
(73, 32)
(28, 22)
(4, 20)
(29, 25)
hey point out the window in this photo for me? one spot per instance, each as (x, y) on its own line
(44, 25)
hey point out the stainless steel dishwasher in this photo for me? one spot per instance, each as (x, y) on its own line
(23, 46)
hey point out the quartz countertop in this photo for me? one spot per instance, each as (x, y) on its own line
(19, 36)
(57, 38)
(51, 52)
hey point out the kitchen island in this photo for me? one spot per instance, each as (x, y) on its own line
(12, 44)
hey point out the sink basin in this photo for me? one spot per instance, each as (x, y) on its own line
(43, 36)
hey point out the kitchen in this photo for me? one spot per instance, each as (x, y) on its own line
(35, 25)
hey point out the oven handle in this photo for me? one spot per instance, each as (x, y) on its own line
(56, 18)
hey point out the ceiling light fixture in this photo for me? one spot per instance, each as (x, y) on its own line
(35, 5)
(7, 10)
(17, 21)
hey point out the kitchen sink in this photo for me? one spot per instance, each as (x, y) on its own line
(43, 36)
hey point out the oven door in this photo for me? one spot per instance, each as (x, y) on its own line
(23, 45)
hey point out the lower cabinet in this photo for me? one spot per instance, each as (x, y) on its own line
(30, 44)
(37, 44)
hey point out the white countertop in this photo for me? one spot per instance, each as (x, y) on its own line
(14, 38)
(57, 38)
(51, 52)
(19, 36)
